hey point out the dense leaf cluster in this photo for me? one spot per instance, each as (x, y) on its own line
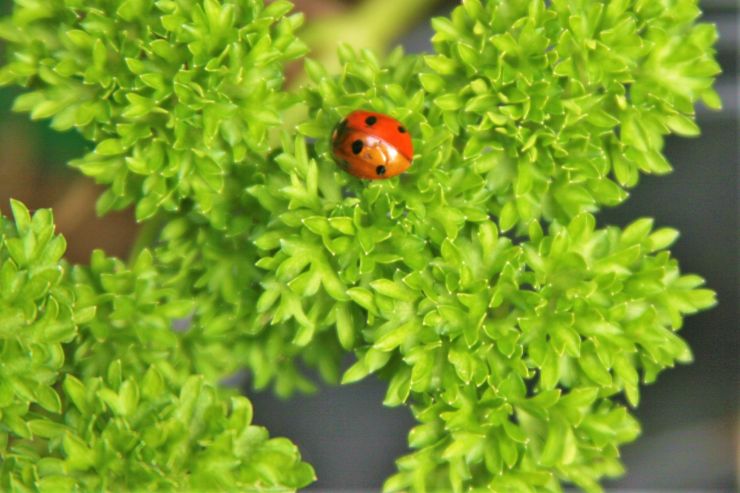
(565, 104)
(515, 344)
(95, 391)
(514, 351)
(175, 94)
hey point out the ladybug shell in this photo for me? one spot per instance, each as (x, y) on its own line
(372, 145)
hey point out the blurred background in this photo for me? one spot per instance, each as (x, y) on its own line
(690, 416)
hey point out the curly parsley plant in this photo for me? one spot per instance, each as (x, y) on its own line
(478, 284)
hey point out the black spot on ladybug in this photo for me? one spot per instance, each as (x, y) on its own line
(402, 130)
(357, 146)
(370, 121)
(380, 170)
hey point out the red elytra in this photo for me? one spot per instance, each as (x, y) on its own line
(372, 145)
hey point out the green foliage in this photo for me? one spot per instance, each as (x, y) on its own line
(226, 329)
(95, 395)
(175, 94)
(37, 315)
(515, 344)
(515, 352)
(566, 104)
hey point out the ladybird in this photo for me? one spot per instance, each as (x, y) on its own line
(372, 145)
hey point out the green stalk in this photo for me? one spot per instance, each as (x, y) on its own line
(374, 24)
